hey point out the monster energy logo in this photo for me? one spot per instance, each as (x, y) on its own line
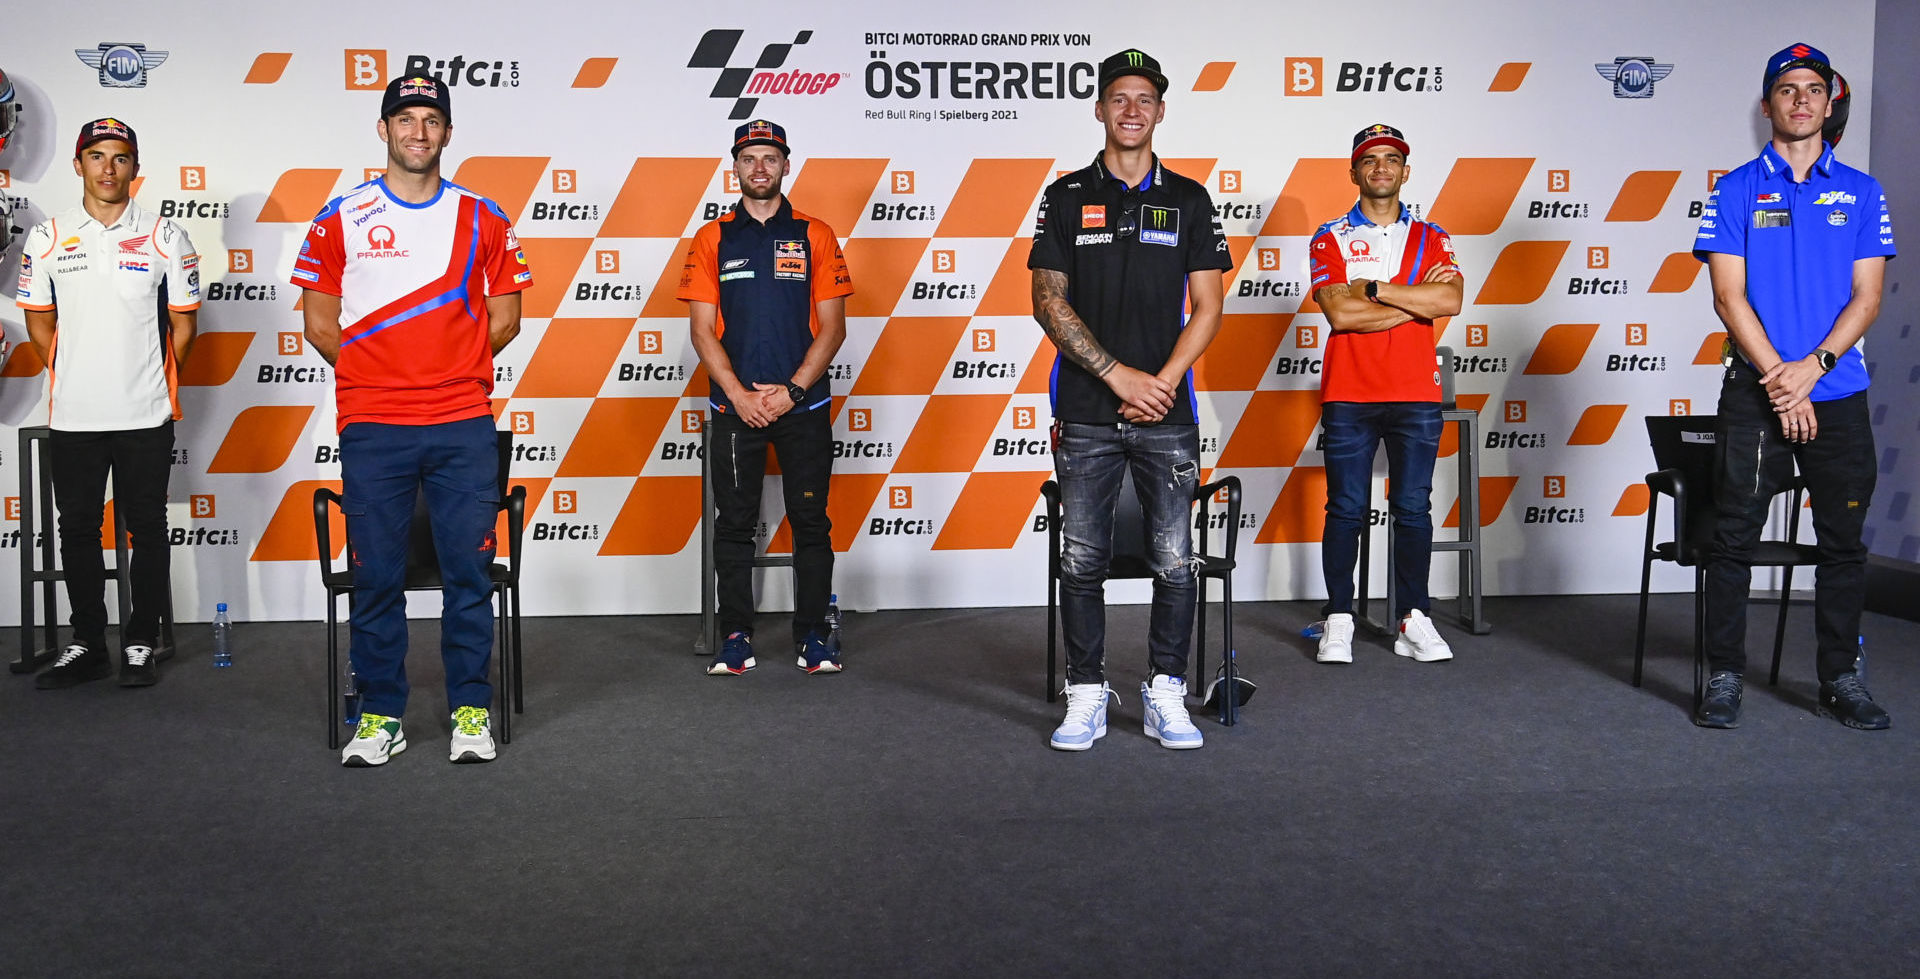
(1160, 225)
(1134, 57)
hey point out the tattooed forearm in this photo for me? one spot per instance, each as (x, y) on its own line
(1064, 327)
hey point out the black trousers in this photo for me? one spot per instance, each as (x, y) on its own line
(140, 462)
(1756, 461)
(803, 442)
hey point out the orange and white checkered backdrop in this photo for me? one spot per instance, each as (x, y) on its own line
(1568, 152)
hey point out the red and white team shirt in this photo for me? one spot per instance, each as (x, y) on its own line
(413, 282)
(109, 286)
(1389, 365)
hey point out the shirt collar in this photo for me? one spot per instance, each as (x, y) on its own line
(785, 213)
(1776, 165)
(129, 218)
(1358, 218)
(1153, 177)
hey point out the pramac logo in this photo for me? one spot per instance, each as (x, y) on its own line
(380, 241)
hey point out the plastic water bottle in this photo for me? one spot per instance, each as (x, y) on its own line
(833, 622)
(349, 695)
(1860, 660)
(222, 636)
(1314, 630)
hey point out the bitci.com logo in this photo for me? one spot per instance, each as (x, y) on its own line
(366, 69)
(744, 84)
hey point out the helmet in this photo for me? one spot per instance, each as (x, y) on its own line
(9, 109)
(1836, 124)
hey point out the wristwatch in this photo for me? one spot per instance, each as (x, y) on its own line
(1826, 359)
(796, 392)
(1373, 290)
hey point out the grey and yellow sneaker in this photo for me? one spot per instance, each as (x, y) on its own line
(472, 736)
(377, 739)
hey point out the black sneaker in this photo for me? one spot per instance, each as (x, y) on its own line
(77, 664)
(141, 669)
(1721, 706)
(1846, 700)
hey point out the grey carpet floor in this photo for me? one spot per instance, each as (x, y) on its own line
(1519, 811)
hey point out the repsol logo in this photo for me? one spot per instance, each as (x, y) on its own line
(946, 290)
(898, 526)
(454, 71)
(203, 537)
(1463, 364)
(1516, 440)
(598, 291)
(1577, 286)
(292, 374)
(1295, 366)
(903, 212)
(1636, 363)
(216, 210)
(1267, 288)
(861, 449)
(219, 292)
(1019, 447)
(1556, 209)
(543, 530)
(971, 370)
(1555, 514)
(544, 211)
(652, 372)
(979, 80)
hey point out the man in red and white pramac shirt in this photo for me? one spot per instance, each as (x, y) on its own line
(1382, 278)
(412, 285)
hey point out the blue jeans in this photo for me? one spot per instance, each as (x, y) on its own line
(1090, 461)
(1354, 430)
(1756, 462)
(457, 466)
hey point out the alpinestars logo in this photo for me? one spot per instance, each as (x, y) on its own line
(715, 50)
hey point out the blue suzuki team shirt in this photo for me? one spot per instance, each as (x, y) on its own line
(1800, 241)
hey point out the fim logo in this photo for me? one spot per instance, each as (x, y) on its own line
(1633, 78)
(715, 50)
(121, 64)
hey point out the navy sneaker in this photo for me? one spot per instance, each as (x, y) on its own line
(736, 656)
(1846, 700)
(1720, 707)
(818, 657)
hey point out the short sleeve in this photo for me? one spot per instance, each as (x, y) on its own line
(183, 266)
(507, 269)
(1207, 246)
(700, 276)
(1441, 254)
(322, 258)
(1876, 235)
(35, 290)
(1327, 265)
(1721, 230)
(831, 279)
(1049, 246)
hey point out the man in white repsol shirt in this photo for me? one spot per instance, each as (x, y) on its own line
(95, 281)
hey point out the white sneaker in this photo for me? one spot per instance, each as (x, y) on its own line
(1086, 717)
(377, 739)
(1166, 713)
(472, 739)
(1336, 639)
(1420, 640)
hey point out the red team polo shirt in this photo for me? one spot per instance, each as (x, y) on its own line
(413, 282)
(1390, 365)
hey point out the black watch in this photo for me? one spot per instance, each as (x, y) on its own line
(1826, 359)
(1373, 290)
(796, 392)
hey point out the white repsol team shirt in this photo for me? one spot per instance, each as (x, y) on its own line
(110, 287)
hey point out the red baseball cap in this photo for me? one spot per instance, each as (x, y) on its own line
(1378, 134)
(100, 130)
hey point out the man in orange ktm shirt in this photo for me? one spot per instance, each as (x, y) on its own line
(766, 290)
